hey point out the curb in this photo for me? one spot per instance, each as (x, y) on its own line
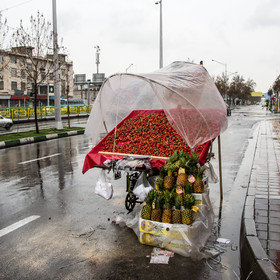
(35, 139)
(254, 260)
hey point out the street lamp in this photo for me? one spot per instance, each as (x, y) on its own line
(128, 67)
(160, 35)
(222, 64)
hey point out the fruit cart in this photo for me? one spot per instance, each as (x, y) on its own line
(164, 117)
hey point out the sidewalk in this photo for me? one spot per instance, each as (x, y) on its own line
(260, 226)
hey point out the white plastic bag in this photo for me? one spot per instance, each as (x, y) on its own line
(142, 187)
(103, 186)
(210, 173)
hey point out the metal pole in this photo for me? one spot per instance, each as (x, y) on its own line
(220, 168)
(57, 107)
(88, 94)
(160, 38)
(48, 95)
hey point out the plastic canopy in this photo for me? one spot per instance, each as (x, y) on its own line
(185, 91)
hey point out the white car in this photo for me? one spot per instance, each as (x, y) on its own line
(6, 123)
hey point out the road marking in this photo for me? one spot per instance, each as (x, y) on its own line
(17, 225)
(54, 155)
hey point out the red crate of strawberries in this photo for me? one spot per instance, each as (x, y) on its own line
(142, 132)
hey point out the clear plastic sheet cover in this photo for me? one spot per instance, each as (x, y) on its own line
(185, 91)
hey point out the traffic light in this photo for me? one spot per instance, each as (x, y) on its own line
(201, 62)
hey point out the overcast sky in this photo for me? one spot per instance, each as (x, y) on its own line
(244, 35)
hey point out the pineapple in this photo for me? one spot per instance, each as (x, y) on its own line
(167, 213)
(187, 215)
(176, 214)
(182, 178)
(147, 208)
(169, 180)
(156, 211)
(198, 186)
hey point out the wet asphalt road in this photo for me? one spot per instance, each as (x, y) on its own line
(73, 236)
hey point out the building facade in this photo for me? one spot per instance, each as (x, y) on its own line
(18, 72)
(87, 89)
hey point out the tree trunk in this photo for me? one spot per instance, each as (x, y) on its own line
(35, 107)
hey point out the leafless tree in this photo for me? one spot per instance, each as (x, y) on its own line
(34, 47)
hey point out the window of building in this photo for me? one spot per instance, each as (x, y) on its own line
(43, 75)
(1, 58)
(22, 73)
(29, 81)
(13, 59)
(14, 85)
(63, 72)
(1, 85)
(44, 90)
(62, 87)
(29, 66)
(22, 86)
(14, 72)
(51, 76)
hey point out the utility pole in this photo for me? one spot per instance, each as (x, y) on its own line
(57, 107)
(160, 34)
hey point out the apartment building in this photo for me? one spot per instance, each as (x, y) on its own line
(17, 66)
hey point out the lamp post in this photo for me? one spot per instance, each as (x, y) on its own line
(128, 67)
(222, 64)
(88, 92)
(57, 107)
(160, 34)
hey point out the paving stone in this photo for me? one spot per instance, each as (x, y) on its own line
(274, 221)
(274, 228)
(261, 212)
(260, 226)
(274, 236)
(262, 234)
(261, 196)
(260, 219)
(274, 245)
(258, 192)
(273, 214)
(261, 206)
(274, 207)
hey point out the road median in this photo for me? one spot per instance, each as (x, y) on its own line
(47, 135)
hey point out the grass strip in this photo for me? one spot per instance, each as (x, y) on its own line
(43, 132)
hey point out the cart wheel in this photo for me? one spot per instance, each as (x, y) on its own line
(130, 201)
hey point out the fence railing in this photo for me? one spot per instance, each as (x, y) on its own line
(17, 113)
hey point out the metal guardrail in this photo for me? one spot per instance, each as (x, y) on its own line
(17, 113)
